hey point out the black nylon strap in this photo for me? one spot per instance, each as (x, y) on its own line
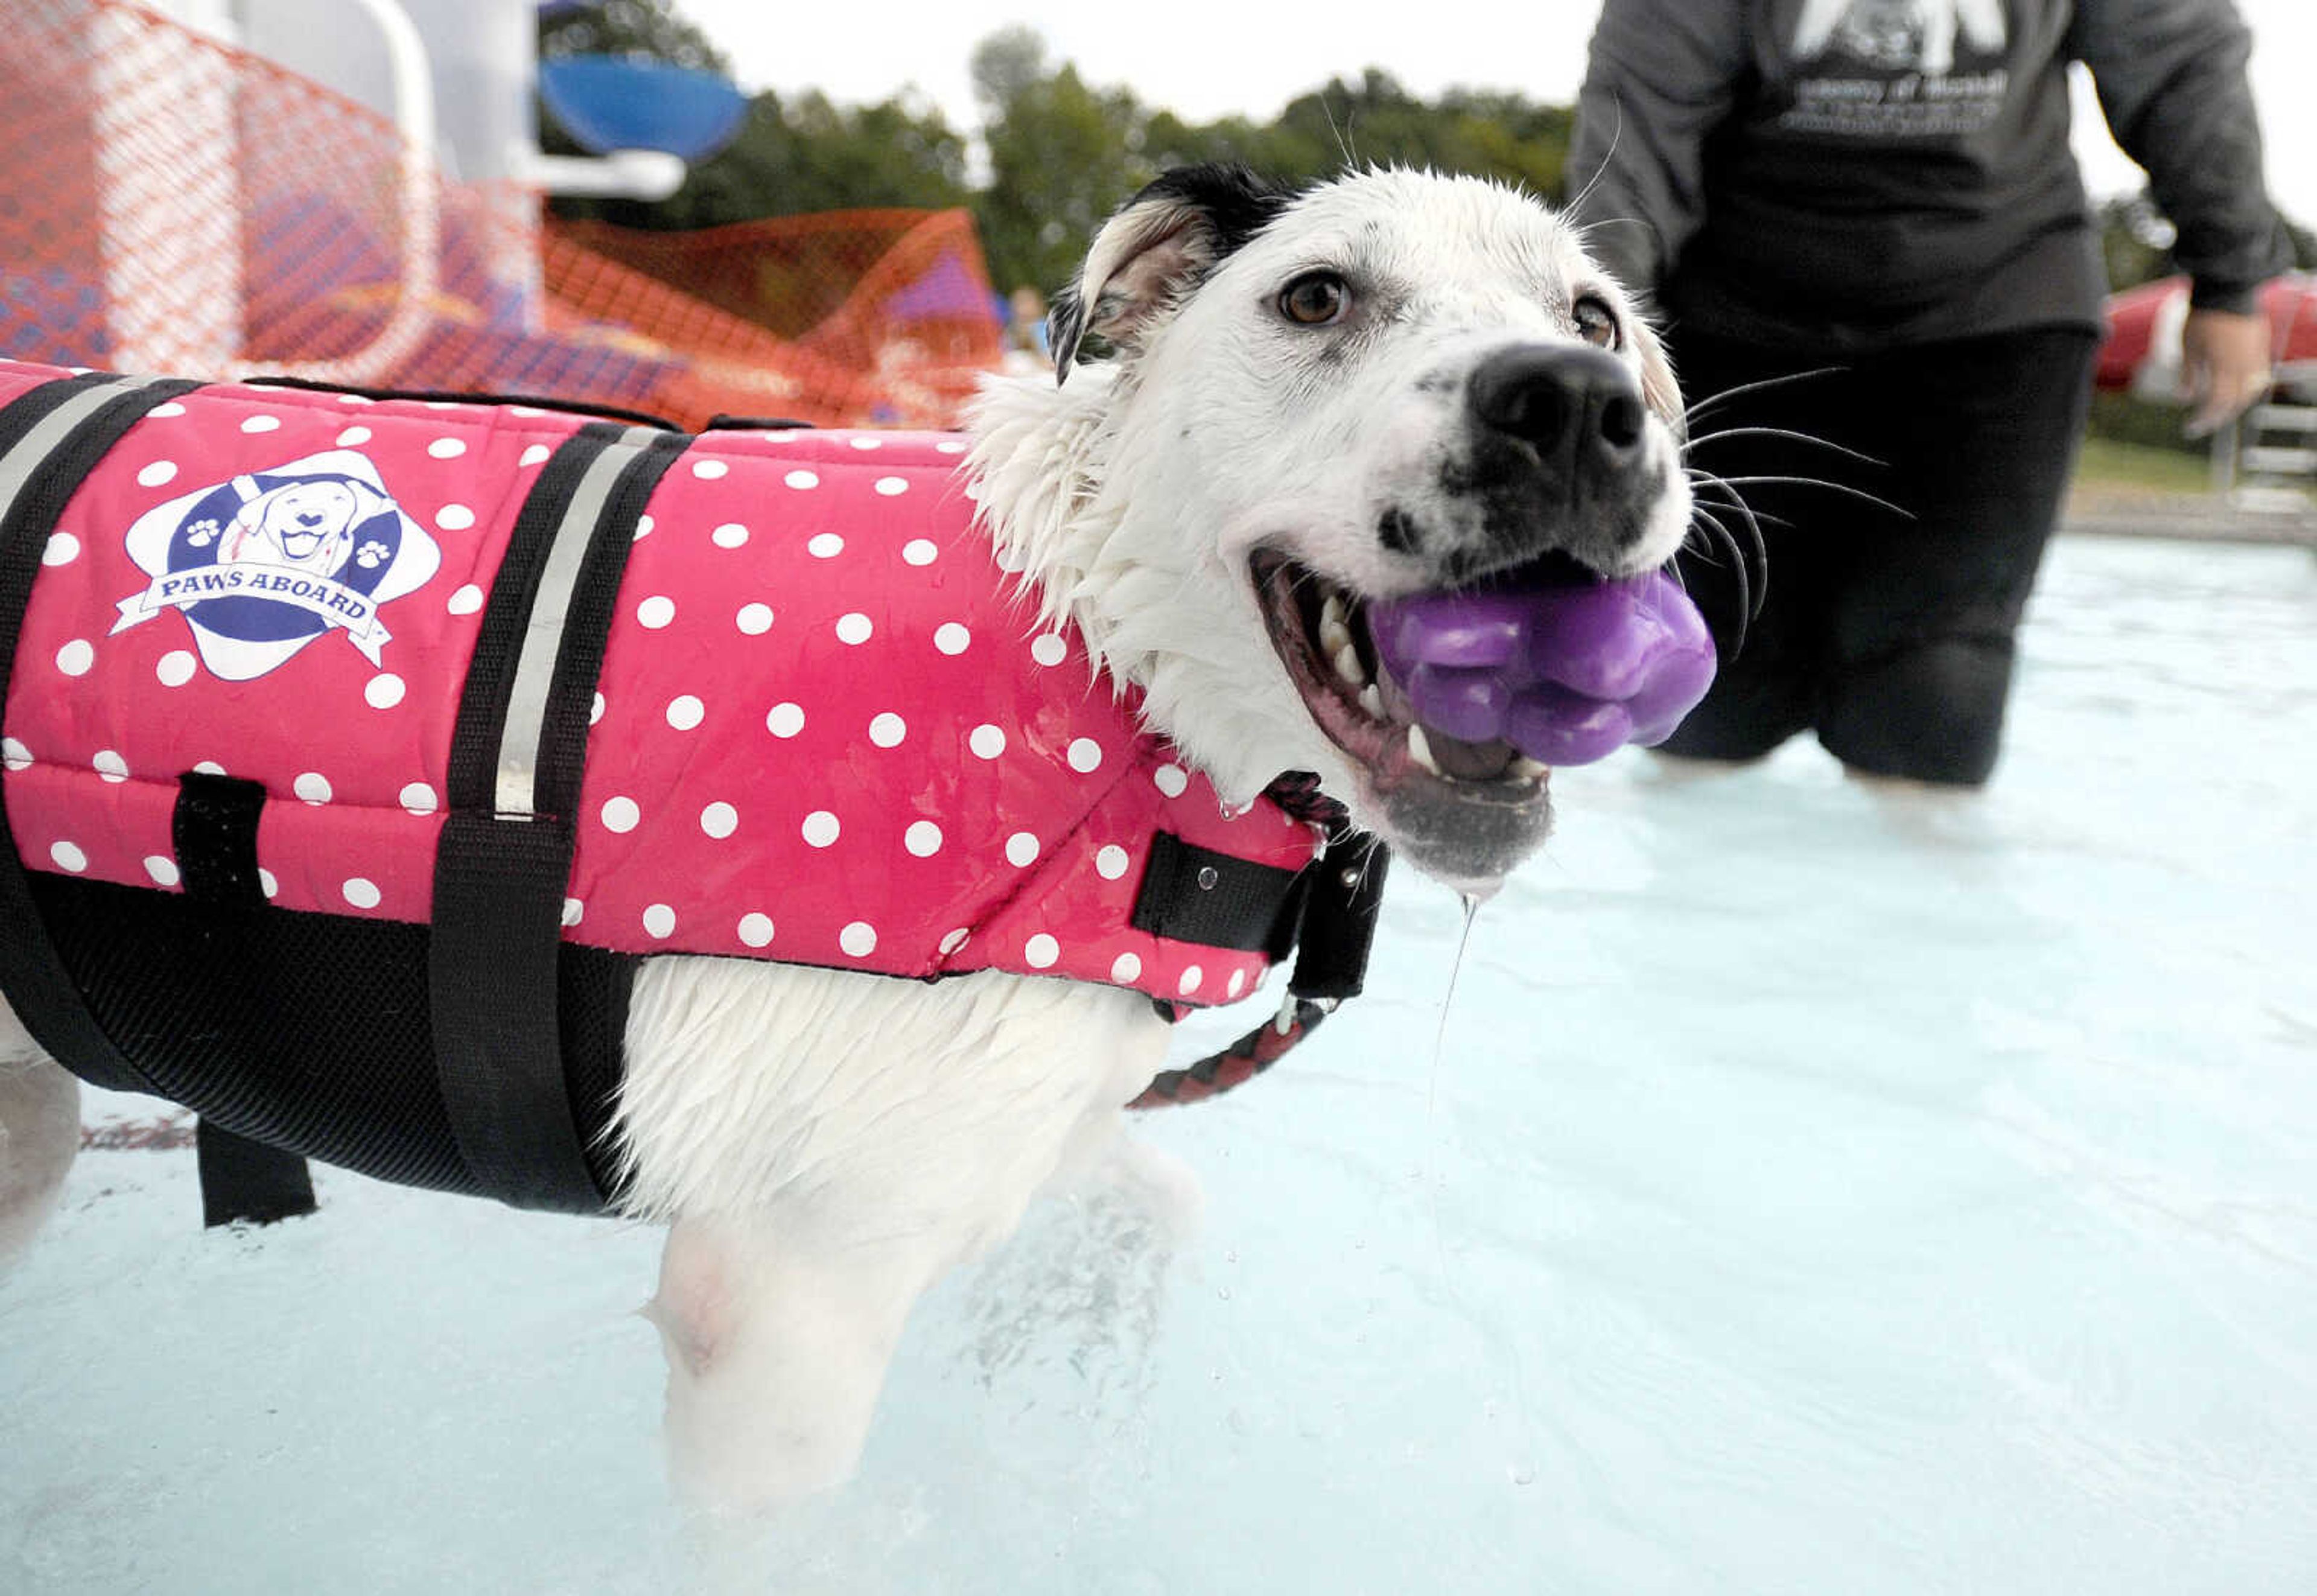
(246, 1181)
(491, 983)
(500, 874)
(587, 628)
(490, 674)
(40, 472)
(213, 831)
(1194, 894)
(461, 396)
(1339, 918)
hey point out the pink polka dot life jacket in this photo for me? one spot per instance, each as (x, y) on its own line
(762, 693)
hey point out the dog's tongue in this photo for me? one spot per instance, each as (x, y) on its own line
(1566, 675)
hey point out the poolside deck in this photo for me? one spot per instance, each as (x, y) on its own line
(2259, 516)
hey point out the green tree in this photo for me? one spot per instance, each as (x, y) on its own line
(650, 29)
(1063, 155)
(793, 157)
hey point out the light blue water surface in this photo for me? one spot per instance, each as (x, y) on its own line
(1816, 1191)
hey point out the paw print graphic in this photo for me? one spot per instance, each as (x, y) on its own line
(371, 555)
(202, 534)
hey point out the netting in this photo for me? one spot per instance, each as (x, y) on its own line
(171, 204)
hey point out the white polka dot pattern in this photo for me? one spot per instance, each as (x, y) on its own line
(833, 769)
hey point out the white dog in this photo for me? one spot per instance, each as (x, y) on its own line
(1314, 401)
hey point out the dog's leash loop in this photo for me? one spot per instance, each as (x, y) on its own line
(1337, 930)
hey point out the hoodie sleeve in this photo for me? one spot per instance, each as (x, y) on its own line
(1660, 76)
(2172, 80)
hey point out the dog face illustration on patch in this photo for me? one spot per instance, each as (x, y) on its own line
(1900, 35)
(262, 564)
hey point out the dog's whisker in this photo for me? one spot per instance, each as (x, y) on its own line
(1748, 602)
(1712, 401)
(1780, 432)
(1842, 488)
(1752, 555)
(1616, 132)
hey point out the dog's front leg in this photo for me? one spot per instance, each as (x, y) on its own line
(39, 1133)
(775, 1353)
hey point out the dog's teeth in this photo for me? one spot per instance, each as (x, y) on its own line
(1347, 665)
(1333, 635)
(1420, 750)
(1331, 610)
(1526, 769)
(1371, 700)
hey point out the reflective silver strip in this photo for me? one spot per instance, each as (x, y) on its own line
(49, 433)
(515, 792)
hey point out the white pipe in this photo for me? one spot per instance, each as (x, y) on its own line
(422, 214)
(621, 174)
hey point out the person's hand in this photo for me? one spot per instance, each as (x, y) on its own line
(2223, 367)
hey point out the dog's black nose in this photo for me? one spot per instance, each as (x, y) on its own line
(1576, 406)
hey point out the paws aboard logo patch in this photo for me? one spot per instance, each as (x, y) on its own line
(263, 564)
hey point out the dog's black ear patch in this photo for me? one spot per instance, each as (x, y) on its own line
(1237, 202)
(1157, 246)
(1065, 328)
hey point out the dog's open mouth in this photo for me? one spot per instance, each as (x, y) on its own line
(1321, 631)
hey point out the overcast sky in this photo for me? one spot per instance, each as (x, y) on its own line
(1206, 58)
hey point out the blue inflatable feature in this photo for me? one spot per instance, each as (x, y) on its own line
(608, 103)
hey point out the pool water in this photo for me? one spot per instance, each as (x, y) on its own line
(1812, 1190)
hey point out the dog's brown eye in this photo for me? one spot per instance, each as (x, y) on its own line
(1596, 322)
(1315, 300)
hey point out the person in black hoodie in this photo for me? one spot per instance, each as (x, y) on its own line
(1863, 225)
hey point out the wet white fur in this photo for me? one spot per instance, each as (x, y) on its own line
(826, 1145)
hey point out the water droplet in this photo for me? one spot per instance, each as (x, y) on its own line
(1472, 901)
